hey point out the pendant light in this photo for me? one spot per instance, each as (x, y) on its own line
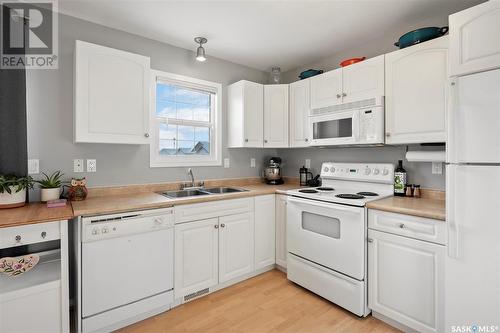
(200, 52)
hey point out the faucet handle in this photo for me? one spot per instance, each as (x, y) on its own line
(201, 183)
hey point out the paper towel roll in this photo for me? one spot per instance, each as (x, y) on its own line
(426, 156)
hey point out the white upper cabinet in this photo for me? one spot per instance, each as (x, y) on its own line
(363, 80)
(276, 115)
(326, 89)
(474, 39)
(300, 102)
(265, 242)
(245, 114)
(416, 93)
(111, 95)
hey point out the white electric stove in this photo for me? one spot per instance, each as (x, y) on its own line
(326, 231)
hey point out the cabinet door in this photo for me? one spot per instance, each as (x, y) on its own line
(265, 241)
(111, 95)
(236, 253)
(280, 214)
(196, 256)
(474, 42)
(363, 80)
(405, 280)
(276, 115)
(326, 89)
(416, 93)
(299, 113)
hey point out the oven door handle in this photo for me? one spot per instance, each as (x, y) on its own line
(320, 204)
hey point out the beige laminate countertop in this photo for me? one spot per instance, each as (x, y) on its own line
(33, 213)
(136, 201)
(423, 207)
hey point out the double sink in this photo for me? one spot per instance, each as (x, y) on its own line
(194, 192)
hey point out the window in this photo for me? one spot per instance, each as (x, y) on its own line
(185, 121)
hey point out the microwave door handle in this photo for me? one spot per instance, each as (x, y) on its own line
(355, 125)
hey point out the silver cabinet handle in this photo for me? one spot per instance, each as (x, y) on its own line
(402, 225)
(223, 225)
(387, 134)
(339, 95)
(216, 226)
(246, 140)
(265, 141)
(370, 240)
(43, 234)
(344, 94)
(146, 135)
(18, 238)
(306, 140)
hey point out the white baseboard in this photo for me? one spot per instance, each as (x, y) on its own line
(393, 323)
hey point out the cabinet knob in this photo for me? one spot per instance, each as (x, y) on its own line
(18, 238)
(246, 140)
(344, 94)
(43, 234)
(146, 135)
(387, 134)
(222, 225)
(216, 226)
(370, 240)
(402, 225)
(306, 140)
(339, 95)
(265, 141)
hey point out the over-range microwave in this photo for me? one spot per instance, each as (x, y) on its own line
(356, 123)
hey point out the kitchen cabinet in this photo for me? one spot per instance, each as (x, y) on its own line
(245, 115)
(363, 80)
(406, 275)
(474, 42)
(236, 240)
(416, 93)
(111, 95)
(276, 115)
(300, 102)
(280, 213)
(196, 256)
(265, 243)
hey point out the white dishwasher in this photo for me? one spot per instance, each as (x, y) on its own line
(125, 264)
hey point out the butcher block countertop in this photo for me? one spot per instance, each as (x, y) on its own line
(431, 205)
(33, 213)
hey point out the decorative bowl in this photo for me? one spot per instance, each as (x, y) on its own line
(351, 61)
(18, 265)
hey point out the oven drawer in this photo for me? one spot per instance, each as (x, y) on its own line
(29, 234)
(406, 225)
(202, 211)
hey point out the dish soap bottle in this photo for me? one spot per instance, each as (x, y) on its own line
(400, 180)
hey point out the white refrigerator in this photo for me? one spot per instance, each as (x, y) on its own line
(472, 275)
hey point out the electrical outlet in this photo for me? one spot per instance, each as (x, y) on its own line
(33, 166)
(252, 163)
(226, 163)
(78, 165)
(437, 168)
(91, 165)
(308, 163)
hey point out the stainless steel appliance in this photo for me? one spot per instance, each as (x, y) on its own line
(326, 231)
(125, 268)
(356, 123)
(273, 172)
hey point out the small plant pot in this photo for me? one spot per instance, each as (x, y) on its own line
(14, 199)
(48, 194)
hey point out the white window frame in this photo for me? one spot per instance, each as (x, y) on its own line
(215, 157)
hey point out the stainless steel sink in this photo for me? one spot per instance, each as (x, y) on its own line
(185, 193)
(221, 190)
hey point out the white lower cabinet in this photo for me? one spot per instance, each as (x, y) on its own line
(196, 256)
(280, 216)
(406, 280)
(265, 242)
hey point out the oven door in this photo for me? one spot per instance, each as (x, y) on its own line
(335, 128)
(328, 234)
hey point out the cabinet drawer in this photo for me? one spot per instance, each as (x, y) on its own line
(200, 211)
(409, 226)
(29, 234)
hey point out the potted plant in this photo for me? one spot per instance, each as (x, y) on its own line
(50, 186)
(13, 190)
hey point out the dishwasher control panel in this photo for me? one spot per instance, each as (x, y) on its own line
(96, 228)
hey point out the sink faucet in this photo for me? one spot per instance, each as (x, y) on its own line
(192, 183)
(190, 174)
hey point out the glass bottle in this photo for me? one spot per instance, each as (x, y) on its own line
(400, 180)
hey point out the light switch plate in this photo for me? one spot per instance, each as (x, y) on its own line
(437, 168)
(78, 165)
(33, 166)
(226, 163)
(308, 163)
(252, 163)
(91, 165)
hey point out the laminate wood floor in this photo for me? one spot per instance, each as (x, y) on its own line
(265, 303)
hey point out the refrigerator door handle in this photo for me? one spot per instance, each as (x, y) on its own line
(451, 155)
(451, 223)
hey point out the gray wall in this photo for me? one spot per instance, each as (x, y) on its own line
(50, 111)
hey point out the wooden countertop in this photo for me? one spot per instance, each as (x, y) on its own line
(128, 201)
(423, 207)
(33, 213)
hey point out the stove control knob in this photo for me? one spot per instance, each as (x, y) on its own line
(95, 231)
(325, 169)
(105, 230)
(385, 172)
(367, 171)
(332, 169)
(376, 171)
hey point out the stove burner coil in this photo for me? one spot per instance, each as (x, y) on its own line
(349, 196)
(308, 191)
(368, 194)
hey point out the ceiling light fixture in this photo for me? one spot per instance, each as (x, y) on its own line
(200, 52)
